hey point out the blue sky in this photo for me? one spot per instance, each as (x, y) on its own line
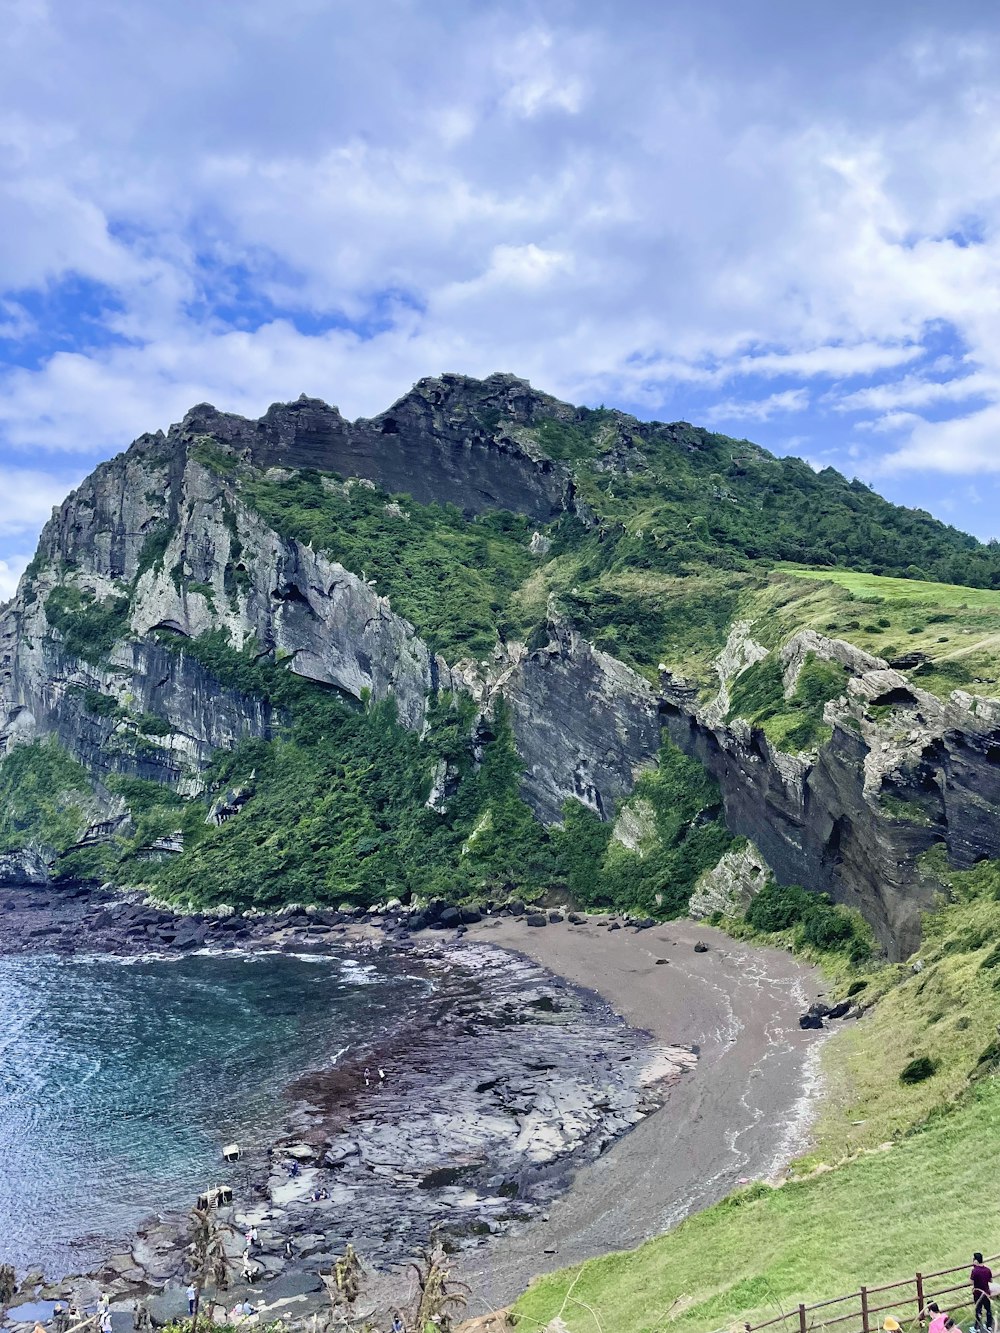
(778, 219)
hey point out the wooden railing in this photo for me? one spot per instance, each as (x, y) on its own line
(913, 1293)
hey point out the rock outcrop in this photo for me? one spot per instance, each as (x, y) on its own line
(439, 443)
(584, 723)
(853, 820)
(731, 886)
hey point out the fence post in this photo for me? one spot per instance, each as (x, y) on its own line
(920, 1297)
(802, 1319)
(864, 1309)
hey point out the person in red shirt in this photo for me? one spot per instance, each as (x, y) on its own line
(981, 1277)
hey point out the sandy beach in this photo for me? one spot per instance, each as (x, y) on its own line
(742, 1113)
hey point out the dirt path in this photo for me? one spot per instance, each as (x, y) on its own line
(743, 1112)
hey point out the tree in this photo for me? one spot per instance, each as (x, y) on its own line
(8, 1284)
(438, 1297)
(207, 1260)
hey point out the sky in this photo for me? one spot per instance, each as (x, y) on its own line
(780, 220)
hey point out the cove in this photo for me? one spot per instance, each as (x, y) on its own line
(120, 1081)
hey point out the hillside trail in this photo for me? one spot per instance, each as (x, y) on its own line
(742, 1114)
(990, 641)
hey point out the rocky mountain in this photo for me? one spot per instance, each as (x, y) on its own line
(491, 643)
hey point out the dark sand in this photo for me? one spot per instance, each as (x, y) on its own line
(741, 1115)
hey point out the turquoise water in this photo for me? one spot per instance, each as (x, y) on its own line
(120, 1082)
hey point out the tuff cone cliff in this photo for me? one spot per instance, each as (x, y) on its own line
(491, 643)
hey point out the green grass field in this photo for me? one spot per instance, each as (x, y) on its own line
(956, 628)
(925, 1203)
(901, 590)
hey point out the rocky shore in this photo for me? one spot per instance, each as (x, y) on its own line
(468, 1121)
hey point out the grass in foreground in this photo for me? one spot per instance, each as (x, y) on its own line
(927, 1202)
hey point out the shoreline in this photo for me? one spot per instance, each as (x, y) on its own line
(576, 1178)
(742, 1114)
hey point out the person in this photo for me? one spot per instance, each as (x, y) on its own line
(255, 1236)
(60, 1319)
(397, 1323)
(288, 1247)
(106, 1322)
(192, 1295)
(891, 1325)
(981, 1277)
(938, 1320)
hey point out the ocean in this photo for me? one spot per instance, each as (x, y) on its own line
(121, 1080)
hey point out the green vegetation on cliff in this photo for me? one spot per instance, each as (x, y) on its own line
(90, 627)
(451, 577)
(337, 810)
(796, 723)
(675, 831)
(686, 497)
(45, 798)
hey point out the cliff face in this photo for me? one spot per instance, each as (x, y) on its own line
(159, 548)
(852, 819)
(440, 444)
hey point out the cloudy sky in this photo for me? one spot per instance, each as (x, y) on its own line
(775, 218)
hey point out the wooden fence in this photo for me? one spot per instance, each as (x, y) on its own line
(908, 1304)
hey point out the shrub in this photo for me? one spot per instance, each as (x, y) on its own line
(90, 628)
(100, 705)
(920, 1068)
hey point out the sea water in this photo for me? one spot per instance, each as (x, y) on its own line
(120, 1081)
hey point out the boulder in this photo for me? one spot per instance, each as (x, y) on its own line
(701, 947)
(471, 915)
(537, 919)
(516, 908)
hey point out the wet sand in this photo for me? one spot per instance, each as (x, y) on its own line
(742, 1114)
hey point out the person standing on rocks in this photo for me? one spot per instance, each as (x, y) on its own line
(192, 1295)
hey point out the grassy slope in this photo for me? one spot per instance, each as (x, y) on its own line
(957, 627)
(925, 1203)
(909, 1186)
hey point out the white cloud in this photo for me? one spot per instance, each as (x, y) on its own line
(10, 571)
(761, 409)
(27, 498)
(621, 204)
(537, 83)
(914, 391)
(834, 361)
(969, 444)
